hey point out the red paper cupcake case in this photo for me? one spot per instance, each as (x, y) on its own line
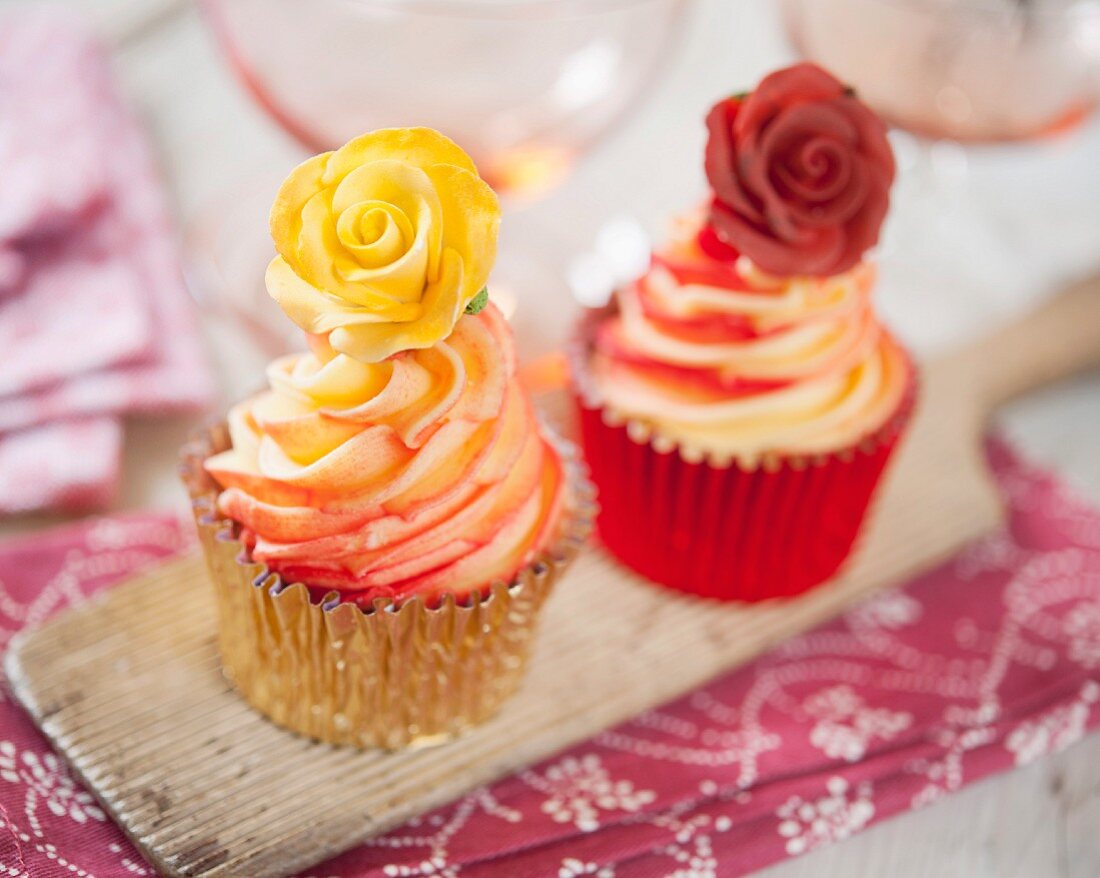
(728, 532)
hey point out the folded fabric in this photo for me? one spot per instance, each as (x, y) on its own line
(95, 319)
(67, 466)
(55, 84)
(989, 661)
(49, 826)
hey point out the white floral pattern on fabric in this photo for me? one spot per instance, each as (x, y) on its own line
(838, 814)
(134, 867)
(48, 780)
(578, 789)
(846, 724)
(891, 611)
(574, 868)
(945, 774)
(1082, 626)
(1055, 730)
(691, 851)
(710, 734)
(430, 836)
(48, 823)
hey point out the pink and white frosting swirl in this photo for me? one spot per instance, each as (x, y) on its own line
(423, 473)
(726, 360)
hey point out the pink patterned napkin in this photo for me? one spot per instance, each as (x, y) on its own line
(49, 826)
(989, 661)
(95, 320)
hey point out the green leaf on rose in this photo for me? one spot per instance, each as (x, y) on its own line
(477, 304)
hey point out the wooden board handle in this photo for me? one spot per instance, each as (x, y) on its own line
(1060, 338)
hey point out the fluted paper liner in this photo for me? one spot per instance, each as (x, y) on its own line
(720, 526)
(390, 676)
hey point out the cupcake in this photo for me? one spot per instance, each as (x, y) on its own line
(739, 401)
(383, 523)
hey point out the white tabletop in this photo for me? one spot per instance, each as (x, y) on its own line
(1039, 821)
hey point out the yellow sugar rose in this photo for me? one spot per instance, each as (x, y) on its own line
(383, 242)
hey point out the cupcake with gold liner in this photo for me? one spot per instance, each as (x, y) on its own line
(383, 524)
(740, 401)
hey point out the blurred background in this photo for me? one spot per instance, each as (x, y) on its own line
(586, 115)
(594, 132)
(600, 95)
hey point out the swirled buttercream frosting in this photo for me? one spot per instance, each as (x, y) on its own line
(423, 473)
(721, 357)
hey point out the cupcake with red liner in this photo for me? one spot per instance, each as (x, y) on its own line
(740, 401)
(384, 522)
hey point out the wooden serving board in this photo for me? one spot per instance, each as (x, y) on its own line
(128, 688)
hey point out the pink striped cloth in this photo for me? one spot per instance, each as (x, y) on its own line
(95, 320)
(984, 663)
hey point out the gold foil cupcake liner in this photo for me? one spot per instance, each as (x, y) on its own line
(390, 676)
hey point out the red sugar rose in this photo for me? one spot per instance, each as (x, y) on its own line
(801, 173)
